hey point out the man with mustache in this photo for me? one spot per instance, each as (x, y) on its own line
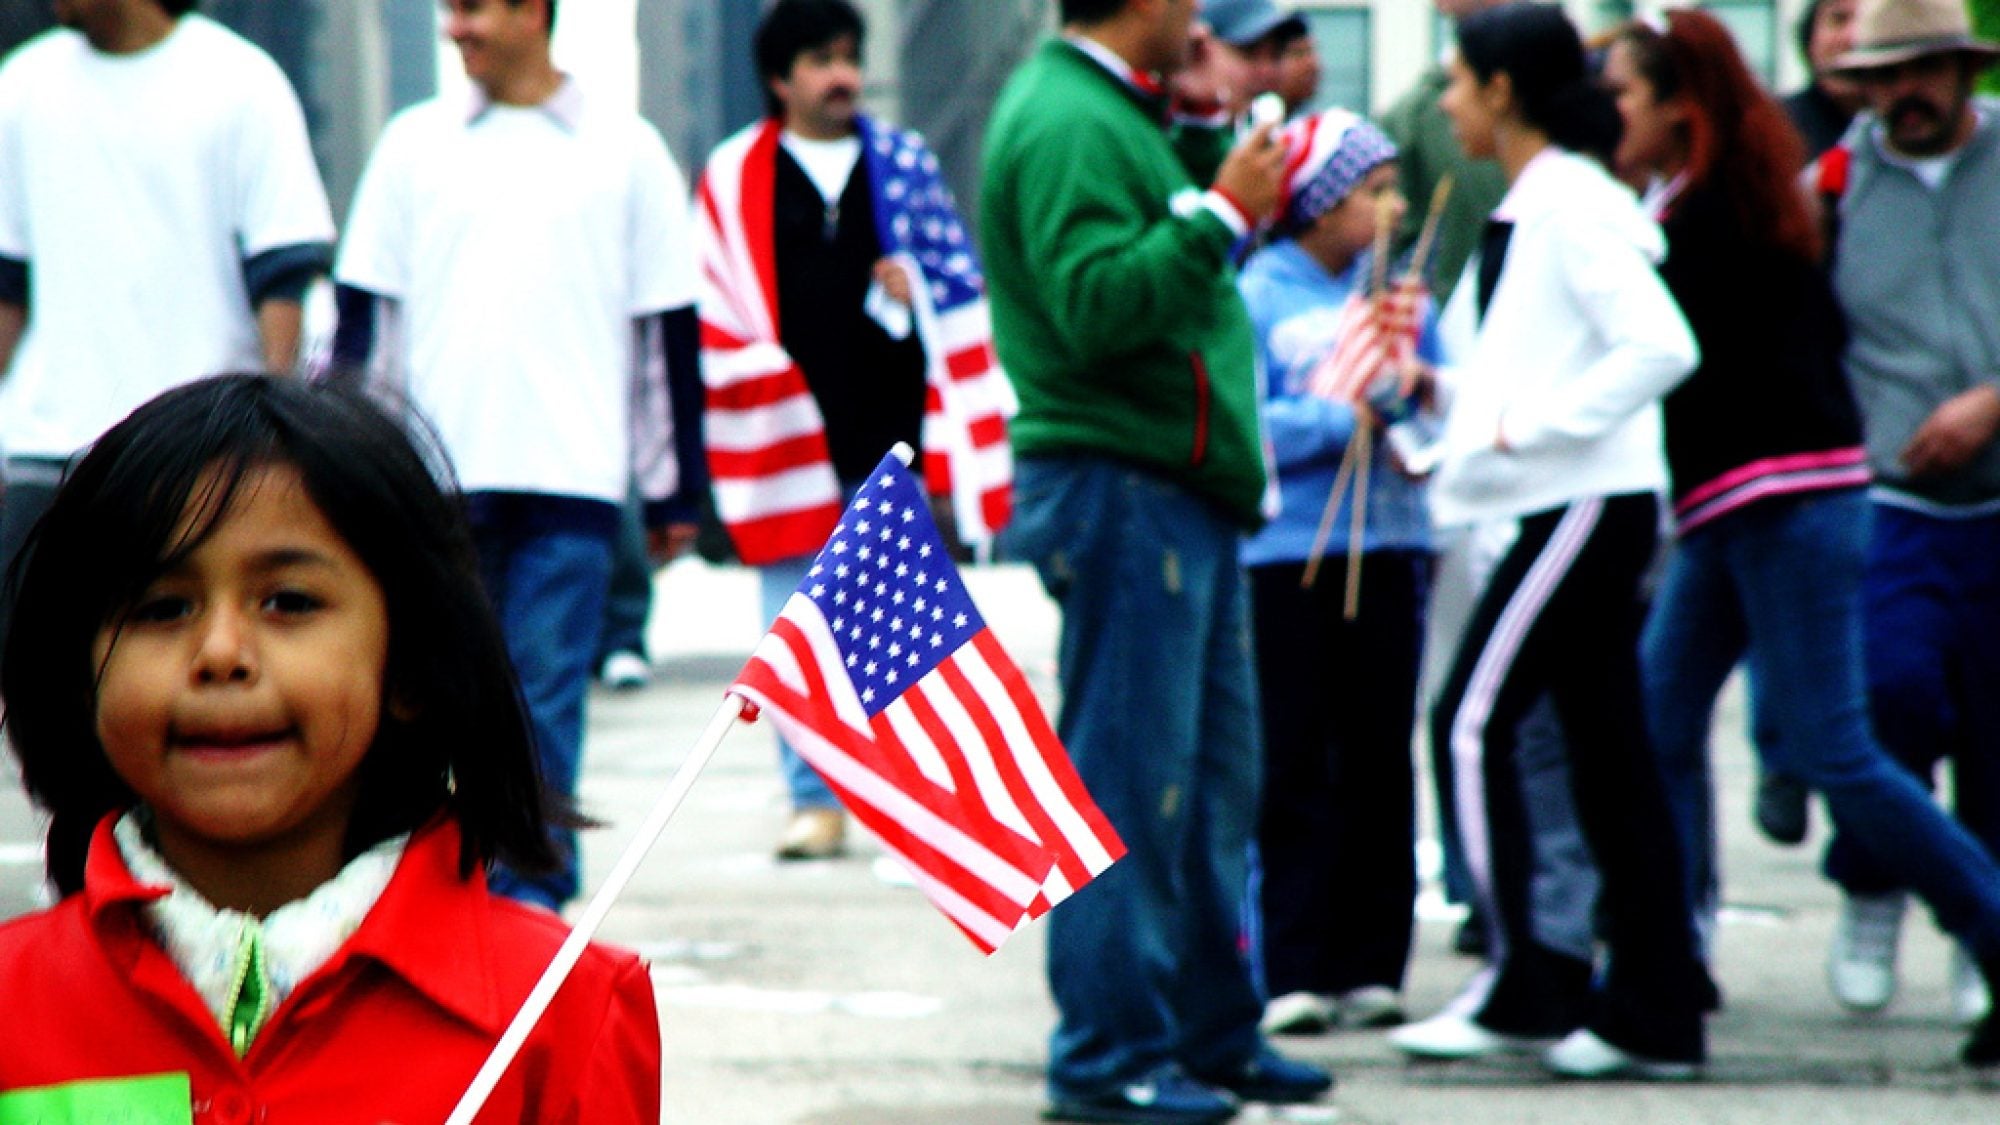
(1915, 184)
(842, 312)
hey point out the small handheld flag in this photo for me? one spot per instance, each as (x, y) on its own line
(884, 676)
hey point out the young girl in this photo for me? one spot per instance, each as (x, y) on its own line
(254, 683)
(1338, 696)
(1770, 496)
(1564, 339)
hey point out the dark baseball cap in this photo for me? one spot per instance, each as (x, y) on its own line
(1240, 23)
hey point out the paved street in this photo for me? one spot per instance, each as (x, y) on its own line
(826, 994)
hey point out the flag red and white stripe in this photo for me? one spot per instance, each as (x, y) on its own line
(883, 676)
(1377, 337)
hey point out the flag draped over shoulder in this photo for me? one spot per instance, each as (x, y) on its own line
(774, 485)
(1377, 338)
(884, 676)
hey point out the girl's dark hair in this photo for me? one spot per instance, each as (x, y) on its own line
(1739, 139)
(179, 7)
(1539, 51)
(454, 734)
(791, 28)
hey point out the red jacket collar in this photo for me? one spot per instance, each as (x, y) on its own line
(430, 927)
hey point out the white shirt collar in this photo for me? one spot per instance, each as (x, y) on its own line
(564, 107)
(1115, 63)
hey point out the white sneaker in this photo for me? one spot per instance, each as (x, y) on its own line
(1969, 999)
(1299, 1013)
(1371, 1005)
(625, 670)
(1587, 1055)
(1450, 1036)
(1861, 966)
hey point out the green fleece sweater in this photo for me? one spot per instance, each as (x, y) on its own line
(1114, 304)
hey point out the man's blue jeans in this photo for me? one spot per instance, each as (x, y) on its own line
(1779, 582)
(1932, 610)
(546, 563)
(1147, 964)
(775, 584)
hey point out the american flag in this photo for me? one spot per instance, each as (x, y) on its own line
(1377, 338)
(774, 487)
(882, 673)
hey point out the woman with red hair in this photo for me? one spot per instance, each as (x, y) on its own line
(1769, 483)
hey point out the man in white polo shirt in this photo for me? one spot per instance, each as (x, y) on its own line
(160, 218)
(530, 247)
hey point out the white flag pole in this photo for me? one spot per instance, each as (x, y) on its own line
(593, 915)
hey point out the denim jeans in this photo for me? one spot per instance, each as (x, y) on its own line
(1931, 610)
(803, 784)
(1147, 964)
(629, 600)
(547, 573)
(1780, 583)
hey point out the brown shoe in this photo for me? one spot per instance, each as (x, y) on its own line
(813, 834)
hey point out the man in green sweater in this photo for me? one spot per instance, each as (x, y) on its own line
(1107, 234)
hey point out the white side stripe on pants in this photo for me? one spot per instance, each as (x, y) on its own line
(1475, 707)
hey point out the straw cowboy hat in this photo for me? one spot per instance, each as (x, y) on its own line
(1888, 32)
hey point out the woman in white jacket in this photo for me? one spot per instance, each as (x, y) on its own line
(1563, 340)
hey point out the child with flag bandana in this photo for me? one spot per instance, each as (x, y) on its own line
(1337, 880)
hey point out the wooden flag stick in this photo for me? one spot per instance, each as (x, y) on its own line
(1429, 235)
(572, 948)
(1357, 523)
(1385, 224)
(1318, 551)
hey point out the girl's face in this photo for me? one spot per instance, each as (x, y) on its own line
(1474, 108)
(246, 683)
(1349, 227)
(1653, 142)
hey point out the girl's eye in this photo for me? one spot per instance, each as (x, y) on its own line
(292, 602)
(159, 608)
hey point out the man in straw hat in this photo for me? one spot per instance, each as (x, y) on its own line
(1914, 186)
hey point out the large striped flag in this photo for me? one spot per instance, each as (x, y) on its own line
(774, 487)
(1377, 338)
(883, 675)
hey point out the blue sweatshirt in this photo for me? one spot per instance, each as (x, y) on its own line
(1295, 310)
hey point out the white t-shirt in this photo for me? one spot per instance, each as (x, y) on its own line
(520, 243)
(136, 186)
(828, 164)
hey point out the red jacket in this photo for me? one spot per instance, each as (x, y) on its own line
(391, 1029)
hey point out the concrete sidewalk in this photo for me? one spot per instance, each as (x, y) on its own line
(828, 993)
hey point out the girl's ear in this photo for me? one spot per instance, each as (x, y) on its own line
(1497, 93)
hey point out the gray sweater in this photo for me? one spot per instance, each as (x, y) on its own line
(1917, 271)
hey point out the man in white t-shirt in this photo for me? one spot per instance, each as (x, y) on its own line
(526, 252)
(841, 290)
(160, 218)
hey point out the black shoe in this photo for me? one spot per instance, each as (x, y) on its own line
(1983, 1048)
(1268, 1076)
(1783, 808)
(1470, 941)
(1166, 1096)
